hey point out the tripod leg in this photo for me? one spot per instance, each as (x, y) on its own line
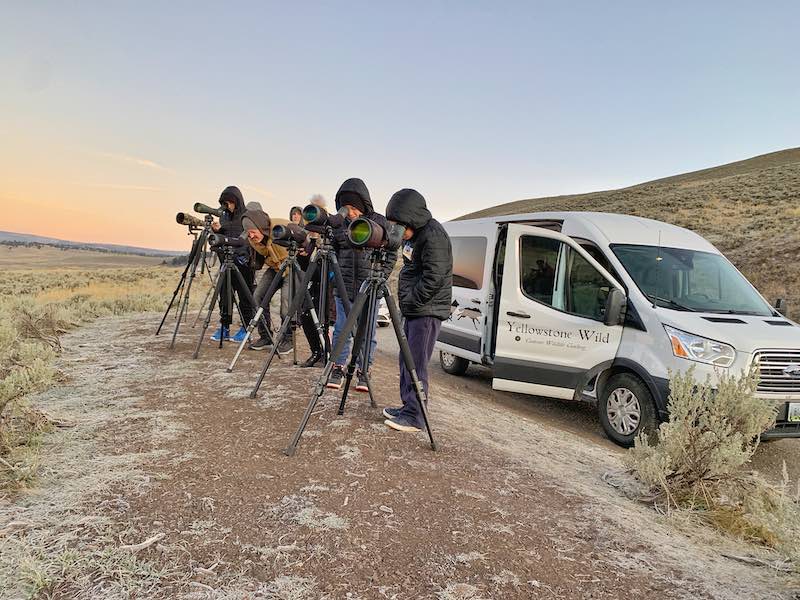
(320, 387)
(229, 296)
(185, 308)
(178, 288)
(260, 312)
(322, 290)
(358, 341)
(205, 300)
(276, 341)
(214, 296)
(366, 359)
(293, 270)
(405, 352)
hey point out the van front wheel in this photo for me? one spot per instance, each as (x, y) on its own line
(455, 365)
(626, 409)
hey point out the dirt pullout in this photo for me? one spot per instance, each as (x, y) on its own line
(171, 483)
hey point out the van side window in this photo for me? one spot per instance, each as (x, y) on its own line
(538, 259)
(554, 274)
(469, 259)
(586, 290)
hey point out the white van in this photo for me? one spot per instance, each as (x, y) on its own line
(601, 307)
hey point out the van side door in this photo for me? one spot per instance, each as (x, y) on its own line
(551, 335)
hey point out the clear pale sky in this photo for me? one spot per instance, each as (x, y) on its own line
(116, 115)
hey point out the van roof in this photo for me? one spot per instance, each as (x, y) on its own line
(615, 228)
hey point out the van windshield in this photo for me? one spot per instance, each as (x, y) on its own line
(689, 280)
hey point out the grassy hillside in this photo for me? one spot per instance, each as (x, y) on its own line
(749, 209)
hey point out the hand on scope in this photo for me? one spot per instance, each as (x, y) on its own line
(215, 226)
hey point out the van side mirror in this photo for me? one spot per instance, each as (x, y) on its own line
(616, 304)
(781, 306)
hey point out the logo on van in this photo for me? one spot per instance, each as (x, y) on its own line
(791, 370)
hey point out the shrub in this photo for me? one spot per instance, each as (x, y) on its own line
(698, 461)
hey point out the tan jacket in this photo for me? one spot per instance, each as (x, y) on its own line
(273, 254)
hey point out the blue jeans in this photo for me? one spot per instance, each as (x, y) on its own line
(341, 317)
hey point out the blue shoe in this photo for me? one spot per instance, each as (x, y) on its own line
(239, 335)
(402, 424)
(390, 412)
(220, 332)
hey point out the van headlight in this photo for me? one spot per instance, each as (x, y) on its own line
(693, 347)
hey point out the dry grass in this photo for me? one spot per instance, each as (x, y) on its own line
(748, 209)
(51, 257)
(36, 308)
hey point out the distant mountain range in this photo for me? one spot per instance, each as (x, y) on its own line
(10, 237)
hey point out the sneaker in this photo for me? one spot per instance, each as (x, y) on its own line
(285, 347)
(361, 384)
(335, 378)
(402, 424)
(391, 412)
(239, 336)
(221, 332)
(261, 344)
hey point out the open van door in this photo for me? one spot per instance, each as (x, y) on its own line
(560, 316)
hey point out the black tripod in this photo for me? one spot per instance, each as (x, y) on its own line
(372, 289)
(196, 255)
(199, 259)
(289, 268)
(322, 259)
(227, 271)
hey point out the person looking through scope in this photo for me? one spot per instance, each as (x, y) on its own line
(258, 228)
(425, 293)
(355, 266)
(230, 226)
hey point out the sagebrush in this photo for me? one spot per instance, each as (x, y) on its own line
(699, 462)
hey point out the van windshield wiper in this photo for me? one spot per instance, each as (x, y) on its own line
(670, 303)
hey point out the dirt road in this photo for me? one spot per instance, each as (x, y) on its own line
(170, 482)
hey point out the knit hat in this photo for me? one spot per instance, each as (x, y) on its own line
(257, 219)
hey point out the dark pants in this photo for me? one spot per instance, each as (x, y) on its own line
(247, 308)
(421, 333)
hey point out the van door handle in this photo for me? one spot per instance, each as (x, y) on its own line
(475, 300)
(518, 315)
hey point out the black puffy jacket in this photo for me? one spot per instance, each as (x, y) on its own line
(230, 223)
(426, 279)
(354, 262)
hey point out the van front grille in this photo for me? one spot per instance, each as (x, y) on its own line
(776, 373)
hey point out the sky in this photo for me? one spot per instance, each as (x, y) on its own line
(114, 116)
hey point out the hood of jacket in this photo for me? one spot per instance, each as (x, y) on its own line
(356, 186)
(260, 219)
(233, 193)
(408, 207)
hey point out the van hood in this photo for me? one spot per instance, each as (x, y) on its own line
(746, 333)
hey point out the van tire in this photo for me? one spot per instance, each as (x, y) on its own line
(627, 390)
(452, 364)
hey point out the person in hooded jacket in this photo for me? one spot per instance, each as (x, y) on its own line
(425, 293)
(355, 266)
(258, 227)
(230, 225)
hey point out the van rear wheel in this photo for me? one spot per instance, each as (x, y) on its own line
(626, 409)
(455, 365)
